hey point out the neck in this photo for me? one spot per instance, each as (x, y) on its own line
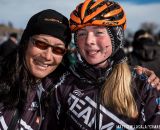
(14, 40)
(102, 65)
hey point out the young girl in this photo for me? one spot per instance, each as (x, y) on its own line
(101, 91)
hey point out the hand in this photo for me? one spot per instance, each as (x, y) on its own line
(152, 78)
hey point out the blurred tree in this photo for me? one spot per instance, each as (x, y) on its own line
(10, 24)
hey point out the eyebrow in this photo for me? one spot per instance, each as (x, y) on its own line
(99, 27)
(94, 27)
(82, 29)
(41, 38)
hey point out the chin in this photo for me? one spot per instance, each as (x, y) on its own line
(101, 65)
(40, 75)
(92, 62)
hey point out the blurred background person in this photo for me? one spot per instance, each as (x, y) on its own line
(8, 46)
(146, 51)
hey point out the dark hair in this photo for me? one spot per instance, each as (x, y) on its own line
(13, 35)
(15, 79)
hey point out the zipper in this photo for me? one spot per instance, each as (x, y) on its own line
(98, 100)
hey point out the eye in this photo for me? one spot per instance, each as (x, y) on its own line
(40, 44)
(100, 32)
(81, 33)
(59, 50)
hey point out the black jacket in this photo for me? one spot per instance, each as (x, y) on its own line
(75, 100)
(35, 107)
(29, 119)
(7, 48)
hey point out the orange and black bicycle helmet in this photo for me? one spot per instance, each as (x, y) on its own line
(101, 13)
(97, 12)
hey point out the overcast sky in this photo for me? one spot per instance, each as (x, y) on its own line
(19, 11)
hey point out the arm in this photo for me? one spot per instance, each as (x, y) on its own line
(148, 102)
(152, 78)
(150, 113)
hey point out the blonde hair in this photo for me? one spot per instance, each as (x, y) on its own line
(117, 92)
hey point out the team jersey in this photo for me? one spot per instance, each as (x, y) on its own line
(75, 104)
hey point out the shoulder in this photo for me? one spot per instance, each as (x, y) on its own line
(57, 80)
(5, 43)
(1, 107)
(65, 79)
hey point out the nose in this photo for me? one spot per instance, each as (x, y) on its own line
(90, 39)
(48, 54)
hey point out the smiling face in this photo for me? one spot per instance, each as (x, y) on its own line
(94, 44)
(41, 58)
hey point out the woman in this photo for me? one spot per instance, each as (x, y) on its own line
(41, 49)
(101, 91)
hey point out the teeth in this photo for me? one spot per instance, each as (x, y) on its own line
(41, 64)
(92, 52)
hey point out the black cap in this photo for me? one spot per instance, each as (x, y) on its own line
(48, 22)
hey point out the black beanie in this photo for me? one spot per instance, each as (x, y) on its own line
(48, 22)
